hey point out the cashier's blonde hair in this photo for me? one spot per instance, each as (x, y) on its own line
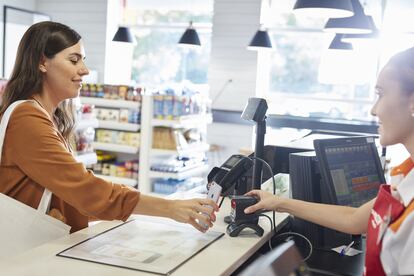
(402, 65)
(44, 39)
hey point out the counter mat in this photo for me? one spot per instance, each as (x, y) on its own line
(144, 244)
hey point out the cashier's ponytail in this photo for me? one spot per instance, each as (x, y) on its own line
(44, 39)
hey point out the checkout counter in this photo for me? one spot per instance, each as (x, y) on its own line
(223, 257)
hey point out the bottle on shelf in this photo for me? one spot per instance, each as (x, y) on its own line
(175, 120)
(118, 110)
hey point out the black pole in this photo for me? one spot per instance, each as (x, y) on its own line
(259, 152)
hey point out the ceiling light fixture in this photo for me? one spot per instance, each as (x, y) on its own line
(324, 8)
(354, 37)
(356, 24)
(338, 44)
(123, 34)
(260, 41)
(190, 37)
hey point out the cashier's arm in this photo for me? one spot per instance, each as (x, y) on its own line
(186, 211)
(341, 218)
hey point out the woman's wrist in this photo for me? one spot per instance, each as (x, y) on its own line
(155, 206)
(281, 204)
(170, 208)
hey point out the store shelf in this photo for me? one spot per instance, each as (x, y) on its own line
(115, 147)
(110, 103)
(184, 121)
(119, 180)
(118, 126)
(87, 158)
(186, 151)
(148, 155)
(180, 175)
(84, 123)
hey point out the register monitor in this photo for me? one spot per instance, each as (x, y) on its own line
(343, 171)
(350, 168)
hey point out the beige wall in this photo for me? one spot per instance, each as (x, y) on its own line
(234, 24)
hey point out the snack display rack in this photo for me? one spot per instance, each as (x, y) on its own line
(142, 150)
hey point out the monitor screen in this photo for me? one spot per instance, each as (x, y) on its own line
(350, 169)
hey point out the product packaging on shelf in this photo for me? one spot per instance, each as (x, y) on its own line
(173, 103)
(114, 92)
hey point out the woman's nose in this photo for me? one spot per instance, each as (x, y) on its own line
(84, 71)
(373, 112)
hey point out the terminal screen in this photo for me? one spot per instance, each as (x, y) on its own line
(354, 173)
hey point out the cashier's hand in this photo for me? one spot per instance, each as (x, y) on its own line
(267, 201)
(193, 210)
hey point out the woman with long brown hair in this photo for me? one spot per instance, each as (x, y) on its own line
(36, 152)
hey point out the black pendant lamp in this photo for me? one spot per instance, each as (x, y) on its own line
(260, 41)
(324, 8)
(354, 37)
(190, 37)
(356, 24)
(338, 44)
(124, 35)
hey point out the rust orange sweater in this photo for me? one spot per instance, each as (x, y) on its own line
(35, 157)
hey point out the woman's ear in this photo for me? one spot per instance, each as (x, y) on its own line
(42, 65)
(42, 68)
